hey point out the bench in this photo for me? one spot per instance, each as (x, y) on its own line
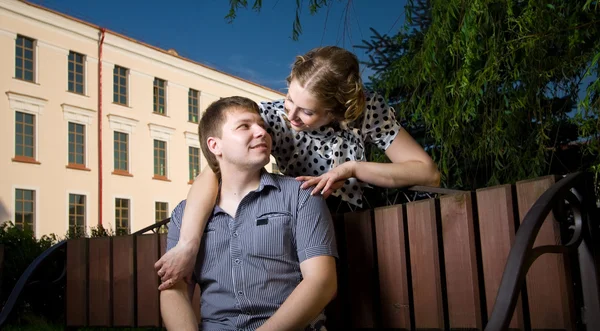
(434, 264)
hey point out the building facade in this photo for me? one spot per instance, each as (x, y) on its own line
(95, 126)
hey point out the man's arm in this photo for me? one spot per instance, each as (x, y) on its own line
(315, 291)
(176, 307)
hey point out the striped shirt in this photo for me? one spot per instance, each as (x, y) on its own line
(248, 265)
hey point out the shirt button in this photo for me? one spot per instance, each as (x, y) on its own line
(240, 292)
(237, 261)
(235, 234)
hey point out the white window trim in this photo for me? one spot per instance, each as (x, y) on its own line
(161, 132)
(114, 204)
(192, 139)
(86, 226)
(36, 62)
(81, 116)
(122, 124)
(36, 218)
(30, 105)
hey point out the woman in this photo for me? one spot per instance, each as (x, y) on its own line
(319, 134)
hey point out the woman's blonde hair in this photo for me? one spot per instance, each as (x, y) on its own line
(332, 75)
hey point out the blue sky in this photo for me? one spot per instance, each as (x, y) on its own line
(256, 46)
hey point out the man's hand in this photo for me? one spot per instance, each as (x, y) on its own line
(177, 264)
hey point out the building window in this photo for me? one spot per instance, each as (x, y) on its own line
(159, 96)
(193, 97)
(76, 215)
(122, 216)
(25, 209)
(76, 72)
(161, 212)
(194, 162)
(24, 59)
(120, 85)
(76, 145)
(24, 136)
(160, 159)
(121, 152)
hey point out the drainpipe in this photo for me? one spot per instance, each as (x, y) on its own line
(102, 32)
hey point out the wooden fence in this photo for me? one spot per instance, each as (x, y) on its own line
(432, 264)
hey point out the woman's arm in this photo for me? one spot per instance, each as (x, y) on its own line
(179, 261)
(411, 165)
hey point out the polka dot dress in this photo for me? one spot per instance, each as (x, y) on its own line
(313, 153)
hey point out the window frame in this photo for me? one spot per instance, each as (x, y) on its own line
(165, 175)
(70, 143)
(83, 75)
(36, 195)
(117, 75)
(193, 109)
(129, 213)
(85, 211)
(159, 85)
(33, 59)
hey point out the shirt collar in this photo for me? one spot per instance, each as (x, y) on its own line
(266, 180)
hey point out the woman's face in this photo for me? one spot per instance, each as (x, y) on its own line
(303, 110)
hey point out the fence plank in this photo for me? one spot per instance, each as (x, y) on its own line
(123, 282)
(391, 256)
(99, 278)
(462, 280)
(337, 310)
(147, 281)
(361, 269)
(497, 234)
(549, 309)
(425, 267)
(76, 314)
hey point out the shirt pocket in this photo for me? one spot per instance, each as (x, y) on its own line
(272, 235)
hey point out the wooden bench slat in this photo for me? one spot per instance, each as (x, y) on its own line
(460, 255)
(76, 305)
(550, 296)
(497, 234)
(99, 278)
(360, 268)
(425, 266)
(123, 287)
(391, 257)
(148, 311)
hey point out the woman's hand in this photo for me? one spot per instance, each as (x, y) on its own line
(329, 181)
(175, 265)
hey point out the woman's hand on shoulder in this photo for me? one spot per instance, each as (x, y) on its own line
(329, 181)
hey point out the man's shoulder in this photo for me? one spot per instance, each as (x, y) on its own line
(291, 188)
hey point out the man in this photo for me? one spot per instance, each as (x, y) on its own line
(267, 258)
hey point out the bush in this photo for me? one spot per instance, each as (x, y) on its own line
(39, 298)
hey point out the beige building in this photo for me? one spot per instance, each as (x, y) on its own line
(95, 126)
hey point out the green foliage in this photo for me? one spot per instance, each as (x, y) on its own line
(496, 84)
(20, 249)
(313, 7)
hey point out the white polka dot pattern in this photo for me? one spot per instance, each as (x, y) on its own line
(313, 153)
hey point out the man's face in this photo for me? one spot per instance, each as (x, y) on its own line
(244, 142)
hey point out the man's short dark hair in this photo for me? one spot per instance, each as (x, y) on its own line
(211, 123)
